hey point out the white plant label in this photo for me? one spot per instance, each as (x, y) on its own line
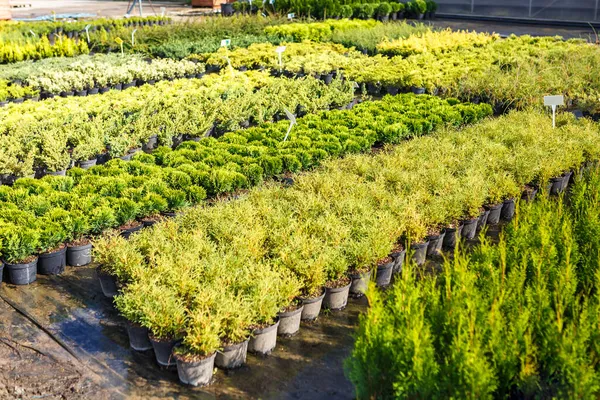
(271, 1)
(280, 50)
(162, 11)
(87, 32)
(292, 119)
(554, 101)
(133, 37)
(291, 15)
(225, 42)
(33, 33)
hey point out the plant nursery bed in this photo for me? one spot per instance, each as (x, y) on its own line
(72, 308)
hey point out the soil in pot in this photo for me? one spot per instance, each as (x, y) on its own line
(508, 210)
(336, 294)
(108, 283)
(53, 262)
(264, 339)
(469, 228)
(312, 307)
(22, 273)
(138, 337)
(79, 253)
(435, 243)
(419, 252)
(163, 349)
(494, 215)
(360, 283)
(385, 267)
(453, 233)
(232, 356)
(289, 320)
(195, 370)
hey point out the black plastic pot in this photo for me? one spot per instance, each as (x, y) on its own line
(22, 274)
(1, 271)
(81, 93)
(417, 90)
(196, 373)
(359, 284)
(327, 78)
(126, 233)
(108, 283)
(232, 356)
(78, 256)
(392, 90)
(384, 274)
(529, 195)
(336, 298)
(483, 219)
(289, 322)
(18, 100)
(469, 228)
(435, 244)
(118, 86)
(566, 180)
(129, 84)
(163, 350)
(556, 185)
(66, 94)
(87, 164)
(312, 307)
(103, 90)
(373, 89)
(127, 157)
(263, 341)
(57, 173)
(138, 337)
(52, 263)
(398, 260)
(452, 236)
(495, 212)
(94, 90)
(508, 210)
(151, 143)
(226, 9)
(419, 252)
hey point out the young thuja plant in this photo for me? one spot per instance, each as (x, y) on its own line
(53, 230)
(202, 330)
(155, 307)
(19, 243)
(117, 257)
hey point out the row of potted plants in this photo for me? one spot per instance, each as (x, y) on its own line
(530, 296)
(36, 49)
(511, 73)
(315, 240)
(86, 74)
(130, 194)
(382, 11)
(9, 28)
(11, 92)
(54, 135)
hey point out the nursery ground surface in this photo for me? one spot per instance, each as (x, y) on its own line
(73, 309)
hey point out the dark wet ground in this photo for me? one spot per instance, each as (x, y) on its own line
(72, 308)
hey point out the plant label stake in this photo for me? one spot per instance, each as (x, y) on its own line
(225, 43)
(162, 11)
(87, 32)
(554, 101)
(292, 122)
(133, 37)
(291, 16)
(280, 50)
